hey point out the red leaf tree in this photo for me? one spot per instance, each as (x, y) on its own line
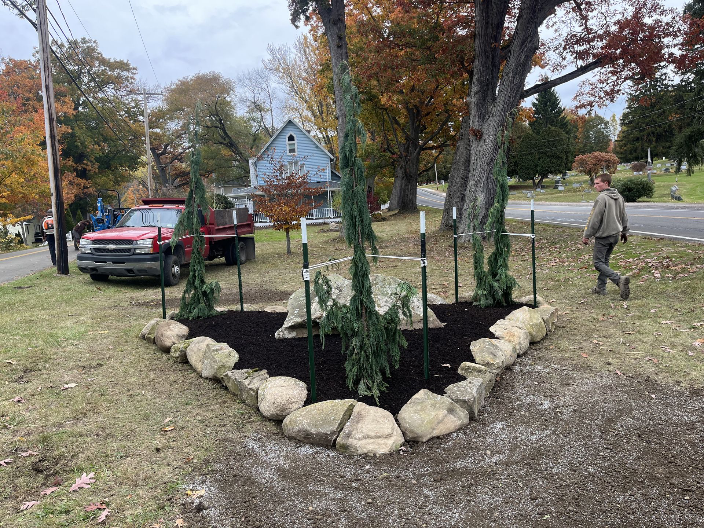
(287, 198)
(595, 163)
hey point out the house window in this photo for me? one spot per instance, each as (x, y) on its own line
(291, 144)
(294, 167)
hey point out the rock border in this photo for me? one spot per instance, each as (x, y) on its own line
(354, 427)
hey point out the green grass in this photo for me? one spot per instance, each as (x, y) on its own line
(59, 330)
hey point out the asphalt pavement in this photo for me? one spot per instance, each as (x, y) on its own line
(677, 221)
(19, 264)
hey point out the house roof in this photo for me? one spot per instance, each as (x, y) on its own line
(302, 130)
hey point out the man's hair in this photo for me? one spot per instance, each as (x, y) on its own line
(605, 178)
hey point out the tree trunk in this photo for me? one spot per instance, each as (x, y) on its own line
(332, 14)
(405, 190)
(288, 241)
(494, 94)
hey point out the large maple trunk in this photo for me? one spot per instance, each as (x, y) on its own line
(405, 190)
(493, 95)
(332, 14)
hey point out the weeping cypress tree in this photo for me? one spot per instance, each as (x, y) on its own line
(199, 298)
(370, 341)
(494, 285)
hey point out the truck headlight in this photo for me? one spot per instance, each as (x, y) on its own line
(84, 246)
(143, 246)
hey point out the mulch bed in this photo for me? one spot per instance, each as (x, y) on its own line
(251, 334)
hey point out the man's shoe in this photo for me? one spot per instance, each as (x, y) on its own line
(624, 285)
(598, 291)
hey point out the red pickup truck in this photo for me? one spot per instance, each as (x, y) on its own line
(131, 249)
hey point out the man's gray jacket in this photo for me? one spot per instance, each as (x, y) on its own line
(608, 216)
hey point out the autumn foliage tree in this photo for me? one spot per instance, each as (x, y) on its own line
(595, 163)
(287, 198)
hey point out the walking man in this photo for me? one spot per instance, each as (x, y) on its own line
(48, 228)
(607, 221)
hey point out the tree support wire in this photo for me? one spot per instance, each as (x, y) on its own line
(305, 272)
(531, 235)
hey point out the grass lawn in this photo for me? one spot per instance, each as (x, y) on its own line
(80, 393)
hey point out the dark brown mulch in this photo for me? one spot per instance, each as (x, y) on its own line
(251, 334)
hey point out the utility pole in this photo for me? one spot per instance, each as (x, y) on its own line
(52, 143)
(146, 136)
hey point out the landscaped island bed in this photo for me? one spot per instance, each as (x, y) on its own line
(251, 334)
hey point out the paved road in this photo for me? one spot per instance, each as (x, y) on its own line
(680, 221)
(21, 263)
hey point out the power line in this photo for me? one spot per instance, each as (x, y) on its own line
(143, 44)
(79, 18)
(64, 17)
(662, 109)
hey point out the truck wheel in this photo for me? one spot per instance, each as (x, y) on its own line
(243, 253)
(172, 270)
(230, 254)
(99, 277)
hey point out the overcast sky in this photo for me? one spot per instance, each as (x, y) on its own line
(183, 37)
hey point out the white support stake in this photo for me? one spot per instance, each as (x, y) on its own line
(422, 221)
(454, 213)
(304, 231)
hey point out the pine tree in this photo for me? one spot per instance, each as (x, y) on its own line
(199, 298)
(495, 285)
(370, 340)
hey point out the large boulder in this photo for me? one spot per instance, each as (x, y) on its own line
(245, 384)
(369, 431)
(472, 370)
(218, 358)
(383, 290)
(210, 359)
(319, 423)
(528, 300)
(180, 350)
(168, 333)
(549, 315)
(279, 396)
(427, 415)
(514, 334)
(468, 394)
(494, 354)
(531, 320)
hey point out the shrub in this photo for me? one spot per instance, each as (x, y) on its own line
(638, 166)
(220, 201)
(634, 188)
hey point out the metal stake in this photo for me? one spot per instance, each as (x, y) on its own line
(454, 235)
(423, 263)
(532, 231)
(309, 320)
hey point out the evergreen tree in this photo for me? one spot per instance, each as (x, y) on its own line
(494, 286)
(371, 341)
(199, 298)
(596, 135)
(548, 112)
(538, 155)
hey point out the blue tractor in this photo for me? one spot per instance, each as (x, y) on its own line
(107, 217)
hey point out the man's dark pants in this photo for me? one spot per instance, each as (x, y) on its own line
(52, 248)
(603, 246)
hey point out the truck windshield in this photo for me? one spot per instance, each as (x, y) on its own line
(150, 218)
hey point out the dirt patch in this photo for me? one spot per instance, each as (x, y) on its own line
(251, 334)
(554, 446)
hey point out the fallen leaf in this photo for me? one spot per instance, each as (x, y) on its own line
(585, 355)
(28, 453)
(69, 386)
(180, 523)
(653, 310)
(48, 491)
(629, 333)
(698, 342)
(83, 482)
(666, 322)
(11, 362)
(95, 506)
(5, 462)
(103, 515)
(619, 373)
(167, 420)
(196, 493)
(169, 428)
(597, 342)
(28, 505)
(18, 399)
(654, 360)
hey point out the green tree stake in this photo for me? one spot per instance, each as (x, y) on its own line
(161, 270)
(424, 289)
(532, 239)
(454, 236)
(309, 320)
